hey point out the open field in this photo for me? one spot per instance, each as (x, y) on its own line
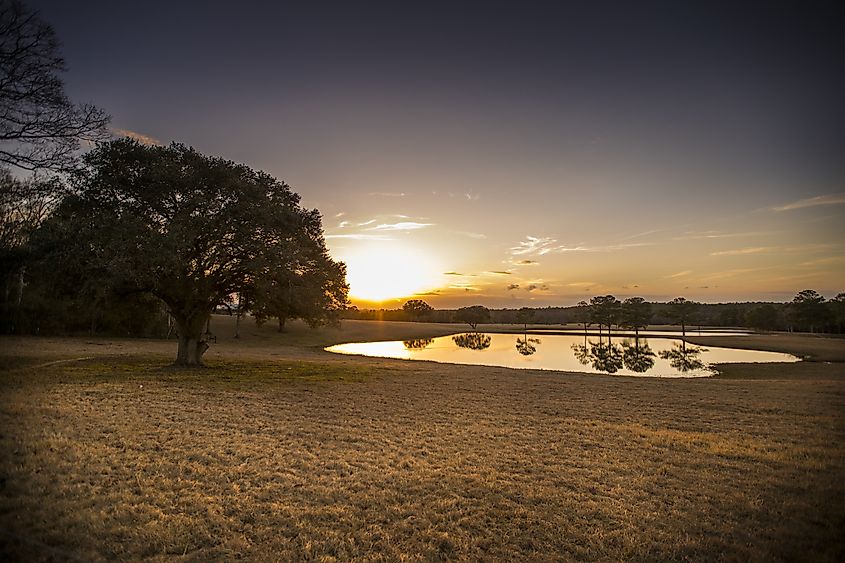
(278, 450)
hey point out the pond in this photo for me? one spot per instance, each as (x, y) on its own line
(647, 357)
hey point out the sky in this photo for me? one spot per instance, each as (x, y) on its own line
(507, 154)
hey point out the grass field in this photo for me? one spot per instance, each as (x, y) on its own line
(280, 451)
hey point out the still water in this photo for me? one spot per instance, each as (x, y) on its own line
(648, 357)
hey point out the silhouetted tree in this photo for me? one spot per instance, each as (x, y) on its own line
(681, 312)
(524, 316)
(24, 205)
(472, 340)
(808, 309)
(473, 315)
(307, 285)
(189, 229)
(417, 309)
(40, 128)
(837, 311)
(763, 317)
(635, 314)
(604, 310)
(582, 315)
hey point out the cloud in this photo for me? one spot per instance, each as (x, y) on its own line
(539, 246)
(805, 248)
(824, 261)
(534, 245)
(513, 286)
(703, 235)
(400, 226)
(140, 137)
(534, 287)
(472, 196)
(386, 194)
(499, 272)
(527, 263)
(829, 199)
(741, 251)
(452, 274)
(471, 234)
(680, 274)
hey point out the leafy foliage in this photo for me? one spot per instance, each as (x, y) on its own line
(417, 309)
(186, 228)
(473, 315)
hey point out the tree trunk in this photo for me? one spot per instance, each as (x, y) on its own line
(192, 345)
(282, 324)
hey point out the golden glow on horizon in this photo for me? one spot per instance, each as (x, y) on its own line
(382, 271)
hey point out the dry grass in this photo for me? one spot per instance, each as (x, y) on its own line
(284, 452)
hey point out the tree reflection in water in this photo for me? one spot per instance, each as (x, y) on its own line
(417, 343)
(526, 346)
(684, 358)
(606, 357)
(472, 340)
(637, 357)
(582, 352)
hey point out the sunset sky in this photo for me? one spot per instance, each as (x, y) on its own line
(507, 154)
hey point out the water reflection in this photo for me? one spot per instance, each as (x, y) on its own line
(606, 357)
(638, 357)
(417, 343)
(655, 357)
(527, 346)
(684, 358)
(472, 340)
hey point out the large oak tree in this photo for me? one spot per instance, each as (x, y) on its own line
(187, 228)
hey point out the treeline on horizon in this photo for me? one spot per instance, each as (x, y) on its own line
(807, 312)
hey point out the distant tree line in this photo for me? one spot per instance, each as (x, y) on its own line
(807, 312)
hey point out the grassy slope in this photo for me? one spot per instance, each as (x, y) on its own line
(279, 450)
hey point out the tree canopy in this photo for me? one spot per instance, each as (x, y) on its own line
(417, 308)
(681, 311)
(473, 315)
(40, 128)
(186, 228)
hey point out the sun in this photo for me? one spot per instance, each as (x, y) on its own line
(383, 271)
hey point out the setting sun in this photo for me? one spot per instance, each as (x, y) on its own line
(386, 270)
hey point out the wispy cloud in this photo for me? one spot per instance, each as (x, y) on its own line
(704, 235)
(742, 251)
(540, 246)
(527, 263)
(534, 245)
(452, 274)
(400, 226)
(140, 137)
(829, 199)
(803, 248)
(679, 274)
(824, 261)
(471, 234)
(513, 286)
(499, 272)
(386, 194)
